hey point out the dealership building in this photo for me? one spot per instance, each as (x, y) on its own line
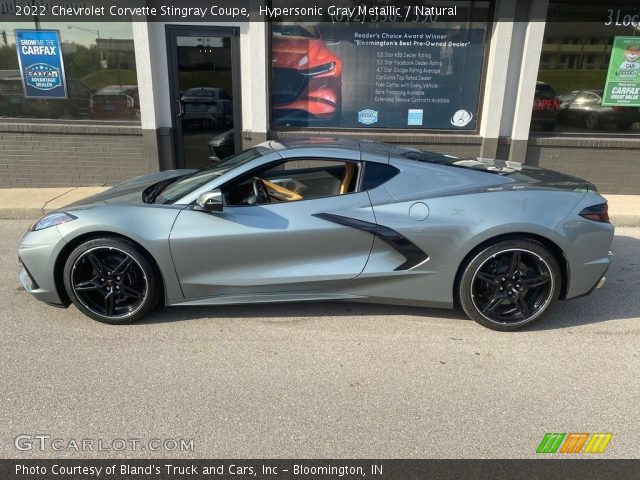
(548, 83)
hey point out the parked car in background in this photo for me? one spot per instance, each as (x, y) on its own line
(222, 145)
(208, 106)
(118, 102)
(584, 108)
(14, 104)
(307, 76)
(545, 107)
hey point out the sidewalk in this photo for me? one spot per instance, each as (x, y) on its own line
(31, 203)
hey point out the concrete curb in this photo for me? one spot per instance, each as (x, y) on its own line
(20, 213)
(625, 220)
(32, 203)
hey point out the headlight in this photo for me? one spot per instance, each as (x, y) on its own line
(320, 69)
(53, 219)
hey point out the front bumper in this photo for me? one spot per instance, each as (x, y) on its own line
(37, 253)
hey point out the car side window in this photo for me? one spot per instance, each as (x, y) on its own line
(582, 99)
(295, 180)
(375, 174)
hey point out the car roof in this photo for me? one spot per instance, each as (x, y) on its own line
(116, 89)
(595, 92)
(204, 89)
(331, 141)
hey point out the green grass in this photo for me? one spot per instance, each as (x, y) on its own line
(563, 81)
(105, 77)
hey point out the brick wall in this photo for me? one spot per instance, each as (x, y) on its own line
(44, 155)
(613, 165)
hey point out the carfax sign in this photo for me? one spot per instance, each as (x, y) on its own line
(41, 64)
(623, 77)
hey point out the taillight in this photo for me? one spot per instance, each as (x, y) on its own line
(597, 213)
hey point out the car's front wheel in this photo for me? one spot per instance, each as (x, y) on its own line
(510, 284)
(592, 121)
(110, 280)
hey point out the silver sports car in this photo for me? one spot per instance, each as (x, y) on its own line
(327, 219)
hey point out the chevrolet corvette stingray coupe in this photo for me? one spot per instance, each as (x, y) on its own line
(327, 219)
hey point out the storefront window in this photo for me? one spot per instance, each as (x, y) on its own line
(589, 82)
(377, 66)
(99, 73)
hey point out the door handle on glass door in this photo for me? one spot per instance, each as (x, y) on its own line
(180, 108)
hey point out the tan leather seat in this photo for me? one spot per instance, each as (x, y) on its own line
(350, 171)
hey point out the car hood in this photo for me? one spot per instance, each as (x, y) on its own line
(129, 192)
(300, 53)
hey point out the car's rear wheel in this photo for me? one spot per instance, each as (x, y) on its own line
(110, 280)
(510, 284)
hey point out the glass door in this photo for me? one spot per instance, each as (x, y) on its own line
(204, 80)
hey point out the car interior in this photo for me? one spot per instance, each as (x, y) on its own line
(294, 180)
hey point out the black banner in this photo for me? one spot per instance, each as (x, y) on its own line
(319, 469)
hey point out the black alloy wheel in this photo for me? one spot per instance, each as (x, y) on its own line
(510, 284)
(109, 280)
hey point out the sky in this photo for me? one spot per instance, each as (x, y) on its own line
(73, 35)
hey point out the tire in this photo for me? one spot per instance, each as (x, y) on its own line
(509, 285)
(110, 280)
(592, 121)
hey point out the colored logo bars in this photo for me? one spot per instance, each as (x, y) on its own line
(573, 442)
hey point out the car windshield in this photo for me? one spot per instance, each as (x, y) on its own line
(293, 30)
(187, 184)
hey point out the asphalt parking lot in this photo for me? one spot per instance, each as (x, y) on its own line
(322, 379)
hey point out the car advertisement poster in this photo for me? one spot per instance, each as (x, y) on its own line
(622, 86)
(41, 64)
(376, 75)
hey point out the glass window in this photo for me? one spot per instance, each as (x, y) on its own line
(589, 83)
(100, 71)
(175, 189)
(295, 180)
(409, 65)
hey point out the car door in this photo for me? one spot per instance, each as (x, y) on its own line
(272, 247)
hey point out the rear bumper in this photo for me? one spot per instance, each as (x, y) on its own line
(588, 276)
(600, 283)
